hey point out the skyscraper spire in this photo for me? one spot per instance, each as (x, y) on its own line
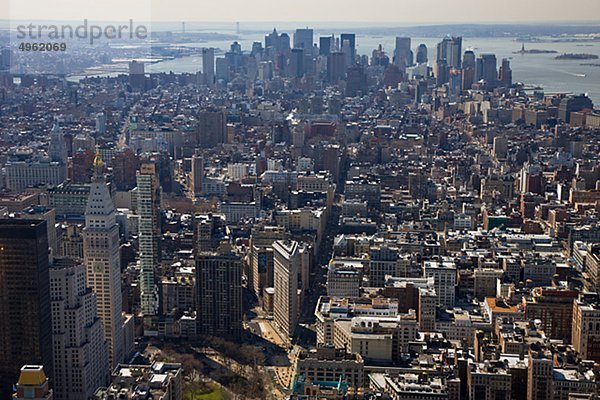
(103, 262)
(98, 164)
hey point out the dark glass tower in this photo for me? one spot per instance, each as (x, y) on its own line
(25, 318)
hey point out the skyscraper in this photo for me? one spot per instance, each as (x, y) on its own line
(101, 123)
(222, 69)
(402, 53)
(422, 54)
(271, 39)
(486, 69)
(124, 165)
(296, 63)
(79, 348)
(441, 72)
(211, 128)
(469, 70)
(356, 81)
(25, 314)
(137, 75)
(420, 91)
(57, 150)
(261, 256)
(505, 73)
(197, 175)
(572, 104)
(336, 67)
(287, 264)
(454, 52)
(219, 289)
(350, 47)
(208, 66)
(325, 45)
(103, 262)
(303, 39)
(148, 239)
(450, 49)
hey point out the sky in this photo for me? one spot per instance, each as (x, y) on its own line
(370, 11)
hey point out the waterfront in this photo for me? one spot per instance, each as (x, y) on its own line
(532, 69)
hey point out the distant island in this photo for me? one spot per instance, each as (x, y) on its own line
(590, 65)
(534, 51)
(576, 56)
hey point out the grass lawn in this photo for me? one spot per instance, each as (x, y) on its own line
(215, 394)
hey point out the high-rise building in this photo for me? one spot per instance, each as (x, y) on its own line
(469, 70)
(211, 129)
(101, 123)
(539, 371)
(271, 39)
(57, 149)
(356, 81)
(197, 175)
(486, 69)
(287, 264)
(454, 52)
(344, 278)
(148, 203)
(325, 45)
(125, 163)
(82, 165)
(103, 261)
(42, 213)
(284, 44)
(450, 49)
(25, 313)
(585, 334)
(531, 178)
(348, 46)
(303, 39)
(505, 73)
(336, 67)
(554, 308)
(5, 59)
(426, 309)
(33, 384)
(222, 69)
(420, 91)
(469, 59)
(422, 54)
(208, 66)
(444, 279)
(442, 73)
(402, 53)
(572, 104)
(296, 63)
(261, 256)
(137, 75)
(79, 348)
(219, 289)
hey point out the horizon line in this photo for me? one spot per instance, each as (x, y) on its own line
(305, 22)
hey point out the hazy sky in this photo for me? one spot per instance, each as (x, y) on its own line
(388, 11)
